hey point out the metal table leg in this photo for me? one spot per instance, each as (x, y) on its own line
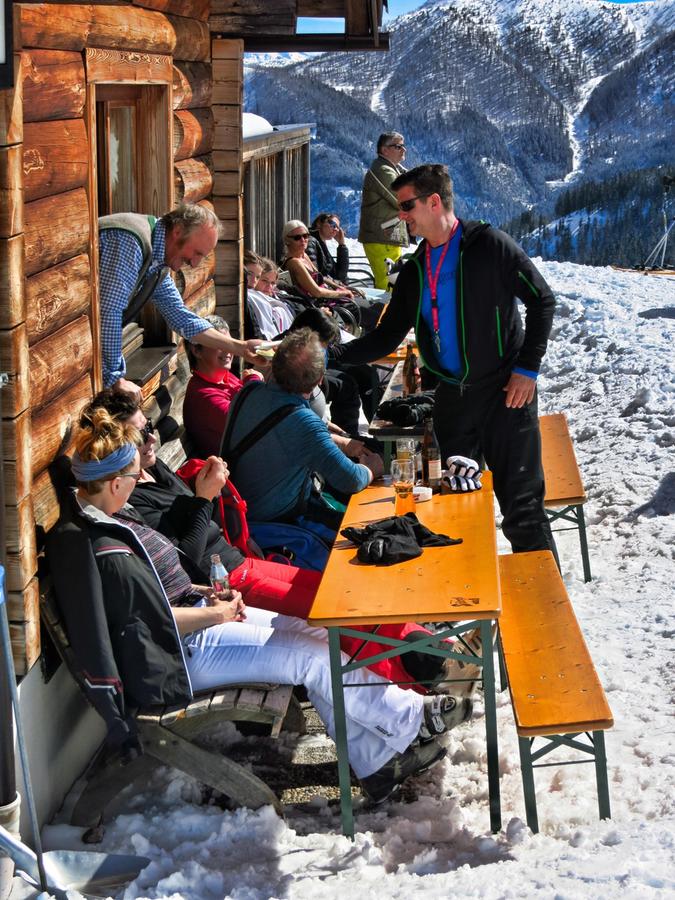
(491, 724)
(341, 732)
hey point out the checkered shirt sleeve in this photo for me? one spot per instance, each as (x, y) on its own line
(120, 261)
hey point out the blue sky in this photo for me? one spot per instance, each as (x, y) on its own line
(396, 8)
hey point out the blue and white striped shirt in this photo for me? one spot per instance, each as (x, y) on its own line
(120, 262)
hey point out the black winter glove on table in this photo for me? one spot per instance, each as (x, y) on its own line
(394, 539)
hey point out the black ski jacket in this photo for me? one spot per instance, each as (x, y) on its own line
(493, 271)
(127, 649)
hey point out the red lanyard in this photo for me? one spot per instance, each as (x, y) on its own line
(433, 280)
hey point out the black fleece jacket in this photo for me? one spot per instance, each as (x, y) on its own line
(493, 271)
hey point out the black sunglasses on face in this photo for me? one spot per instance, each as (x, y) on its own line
(397, 146)
(332, 223)
(299, 237)
(147, 430)
(407, 205)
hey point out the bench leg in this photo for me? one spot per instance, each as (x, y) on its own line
(601, 774)
(583, 542)
(491, 724)
(219, 772)
(527, 774)
(104, 783)
(341, 732)
(503, 676)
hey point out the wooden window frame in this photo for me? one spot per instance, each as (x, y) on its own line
(155, 187)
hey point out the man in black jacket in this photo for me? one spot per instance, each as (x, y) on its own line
(459, 291)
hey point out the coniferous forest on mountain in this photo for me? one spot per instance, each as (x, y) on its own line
(556, 121)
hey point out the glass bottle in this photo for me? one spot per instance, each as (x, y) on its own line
(411, 372)
(218, 576)
(431, 457)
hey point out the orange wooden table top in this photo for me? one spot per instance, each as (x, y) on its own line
(443, 584)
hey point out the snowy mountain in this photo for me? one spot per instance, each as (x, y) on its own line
(518, 97)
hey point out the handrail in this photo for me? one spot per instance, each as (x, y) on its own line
(283, 136)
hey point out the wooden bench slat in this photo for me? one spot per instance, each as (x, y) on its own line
(564, 486)
(554, 686)
(250, 699)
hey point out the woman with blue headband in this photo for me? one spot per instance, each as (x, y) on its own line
(144, 634)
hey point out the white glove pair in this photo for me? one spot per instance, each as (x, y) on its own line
(463, 474)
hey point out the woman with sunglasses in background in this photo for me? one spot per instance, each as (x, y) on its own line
(304, 274)
(326, 227)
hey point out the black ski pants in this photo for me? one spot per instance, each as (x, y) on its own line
(477, 423)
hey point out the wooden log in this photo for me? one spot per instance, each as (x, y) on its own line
(57, 296)
(55, 157)
(25, 636)
(56, 229)
(18, 525)
(228, 81)
(54, 85)
(226, 160)
(226, 48)
(14, 361)
(193, 39)
(11, 192)
(21, 567)
(46, 506)
(229, 262)
(61, 26)
(191, 9)
(203, 301)
(54, 427)
(127, 66)
(193, 132)
(192, 85)
(189, 280)
(227, 184)
(59, 360)
(23, 603)
(11, 109)
(229, 209)
(193, 179)
(16, 467)
(236, 17)
(12, 304)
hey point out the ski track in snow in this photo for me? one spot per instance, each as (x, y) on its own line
(611, 372)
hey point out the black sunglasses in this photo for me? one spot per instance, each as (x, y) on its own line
(397, 146)
(299, 237)
(147, 430)
(407, 205)
(332, 223)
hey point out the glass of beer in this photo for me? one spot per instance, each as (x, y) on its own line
(405, 448)
(402, 474)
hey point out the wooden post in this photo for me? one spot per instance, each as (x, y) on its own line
(228, 77)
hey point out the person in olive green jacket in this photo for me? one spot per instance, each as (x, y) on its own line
(378, 206)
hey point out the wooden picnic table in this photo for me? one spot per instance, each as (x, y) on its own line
(458, 585)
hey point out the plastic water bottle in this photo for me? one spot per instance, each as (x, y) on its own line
(218, 577)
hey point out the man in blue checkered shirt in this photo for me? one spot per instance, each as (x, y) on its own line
(182, 237)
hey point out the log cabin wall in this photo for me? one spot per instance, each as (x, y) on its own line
(228, 81)
(49, 342)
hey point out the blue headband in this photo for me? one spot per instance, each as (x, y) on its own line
(99, 468)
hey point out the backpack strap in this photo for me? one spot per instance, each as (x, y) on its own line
(234, 454)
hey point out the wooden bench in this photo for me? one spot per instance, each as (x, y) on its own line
(555, 691)
(565, 495)
(168, 737)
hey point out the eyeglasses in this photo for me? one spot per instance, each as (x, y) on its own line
(147, 430)
(332, 223)
(397, 146)
(407, 205)
(299, 237)
(134, 475)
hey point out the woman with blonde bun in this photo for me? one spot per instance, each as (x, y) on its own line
(144, 634)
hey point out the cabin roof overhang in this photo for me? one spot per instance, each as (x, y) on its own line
(273, 27)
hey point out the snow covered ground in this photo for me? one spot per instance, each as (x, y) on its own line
(610, 369)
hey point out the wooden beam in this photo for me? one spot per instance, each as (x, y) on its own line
(192, 85)
(357, 17)
(310, 43)
(249, 16)
(55, 157)
(11, 109)
(53, 427)
(127, 67)
(193, 133)
(60, 359)
(56, 228)
(193, 40)
(12, 306)
(11, 191)
(53, 85)
(57, 296)
(191, 9)
(193, 179)
(14, 361)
